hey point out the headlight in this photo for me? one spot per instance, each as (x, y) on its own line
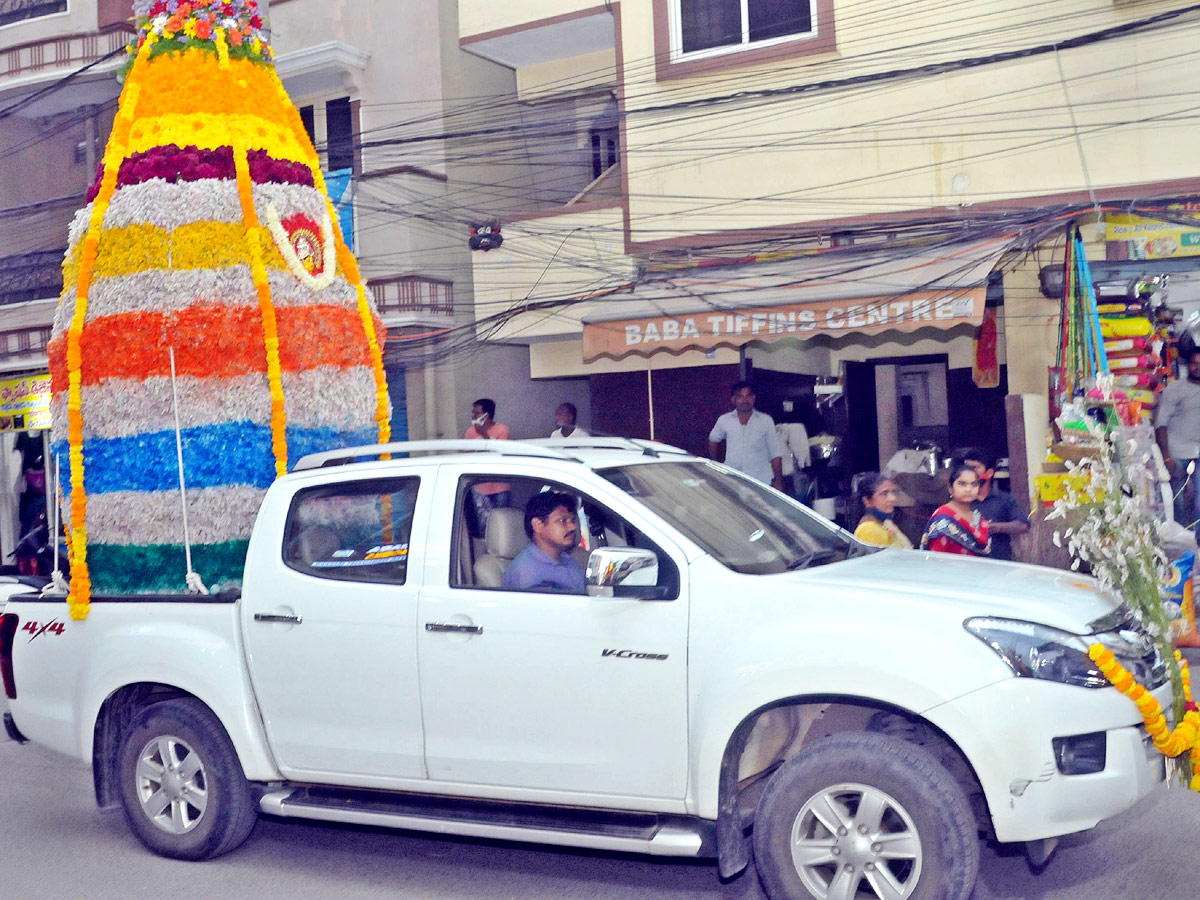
(1039, 651)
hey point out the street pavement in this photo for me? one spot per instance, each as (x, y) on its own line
(56, 845)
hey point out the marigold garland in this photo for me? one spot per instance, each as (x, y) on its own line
(80, 594)
(348, 264)
(258, 270)
(1167, 742)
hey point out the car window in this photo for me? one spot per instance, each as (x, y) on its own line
(481, 562)
(743, 523)
(354, 531)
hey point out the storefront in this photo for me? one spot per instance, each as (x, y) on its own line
(872, 350)
(25, 480)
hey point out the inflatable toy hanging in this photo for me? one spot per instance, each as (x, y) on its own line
(213, 325)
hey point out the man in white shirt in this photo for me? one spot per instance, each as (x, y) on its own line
(751, 444)
(796, 457)
(564, 418)
(1177, 430)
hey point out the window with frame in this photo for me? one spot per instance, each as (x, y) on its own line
(22, 10)
(479, 563)
(714, 25)
(353, 531)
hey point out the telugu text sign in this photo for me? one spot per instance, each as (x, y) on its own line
(25, 403)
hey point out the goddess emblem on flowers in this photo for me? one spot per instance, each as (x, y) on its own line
(307, 247)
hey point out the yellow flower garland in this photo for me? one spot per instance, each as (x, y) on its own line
(262, 286)
(1168, 743)
(80, 595)
(348, 265)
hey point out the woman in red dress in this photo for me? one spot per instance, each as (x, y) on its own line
(954, 527)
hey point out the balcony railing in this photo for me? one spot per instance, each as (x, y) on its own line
(413, 293)
(65, 51)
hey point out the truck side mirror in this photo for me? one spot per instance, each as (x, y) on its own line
(624, 573)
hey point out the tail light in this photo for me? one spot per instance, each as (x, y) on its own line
(8, 631)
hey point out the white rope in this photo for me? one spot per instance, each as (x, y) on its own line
(56, 576)
(191, 577)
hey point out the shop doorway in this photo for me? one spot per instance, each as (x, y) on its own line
(895, 402)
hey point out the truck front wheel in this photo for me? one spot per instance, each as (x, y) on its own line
(182, 787)
(862, 815)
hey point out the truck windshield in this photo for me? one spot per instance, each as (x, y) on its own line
(743, 523)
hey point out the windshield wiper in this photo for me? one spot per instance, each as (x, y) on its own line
(812, 556)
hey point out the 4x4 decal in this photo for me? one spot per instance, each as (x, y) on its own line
(632, 654)
(52, 627)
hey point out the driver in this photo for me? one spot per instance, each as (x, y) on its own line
(546, 563)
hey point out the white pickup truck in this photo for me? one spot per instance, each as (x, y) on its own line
(740, 677)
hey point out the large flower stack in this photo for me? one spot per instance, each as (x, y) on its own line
(207, 296)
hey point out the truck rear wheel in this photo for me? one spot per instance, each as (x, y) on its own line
(183, 790)
(861, 815)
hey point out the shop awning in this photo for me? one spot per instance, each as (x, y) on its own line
(838, 292)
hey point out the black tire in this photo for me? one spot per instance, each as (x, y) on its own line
(200, 808)
(908, 801)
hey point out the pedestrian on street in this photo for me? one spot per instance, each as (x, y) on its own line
(1005, 519)
(1177, 430)
(564, 421)
(876, 496)
(751, 443)
(955, 527)
(487, 495)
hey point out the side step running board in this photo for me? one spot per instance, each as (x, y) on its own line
(622, 832)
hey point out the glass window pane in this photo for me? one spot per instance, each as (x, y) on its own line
(710, 23)
(357, 531)
(741, 522)
(778, 18)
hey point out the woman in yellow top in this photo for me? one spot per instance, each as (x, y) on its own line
(876, 496)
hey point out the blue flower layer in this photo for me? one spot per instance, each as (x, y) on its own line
(213, 456)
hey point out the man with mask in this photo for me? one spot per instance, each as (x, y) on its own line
(487, 495)
(1004, 517)
(564, 420)
(751, 443)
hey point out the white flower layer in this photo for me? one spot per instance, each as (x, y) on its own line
(169, 291)
(170, 206)
(134, 518)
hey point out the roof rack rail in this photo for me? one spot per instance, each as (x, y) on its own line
(344, 455)
(596, 442)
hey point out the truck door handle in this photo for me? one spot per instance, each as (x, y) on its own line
(447, 626)
(275, 617)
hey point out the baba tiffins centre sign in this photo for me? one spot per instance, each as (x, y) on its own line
(713, 328)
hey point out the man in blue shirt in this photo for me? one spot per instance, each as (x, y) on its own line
(546, 563)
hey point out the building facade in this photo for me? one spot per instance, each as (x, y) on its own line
(845, 203)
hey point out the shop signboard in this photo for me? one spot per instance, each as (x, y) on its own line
(25, 403)
(1154, 238)
(712, 328)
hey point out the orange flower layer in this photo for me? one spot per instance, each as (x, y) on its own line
(195, 82)
(197, 101)
(212, 342)
(210, 130)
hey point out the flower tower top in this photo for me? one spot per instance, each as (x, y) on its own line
(196, 23)
(213, 325)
